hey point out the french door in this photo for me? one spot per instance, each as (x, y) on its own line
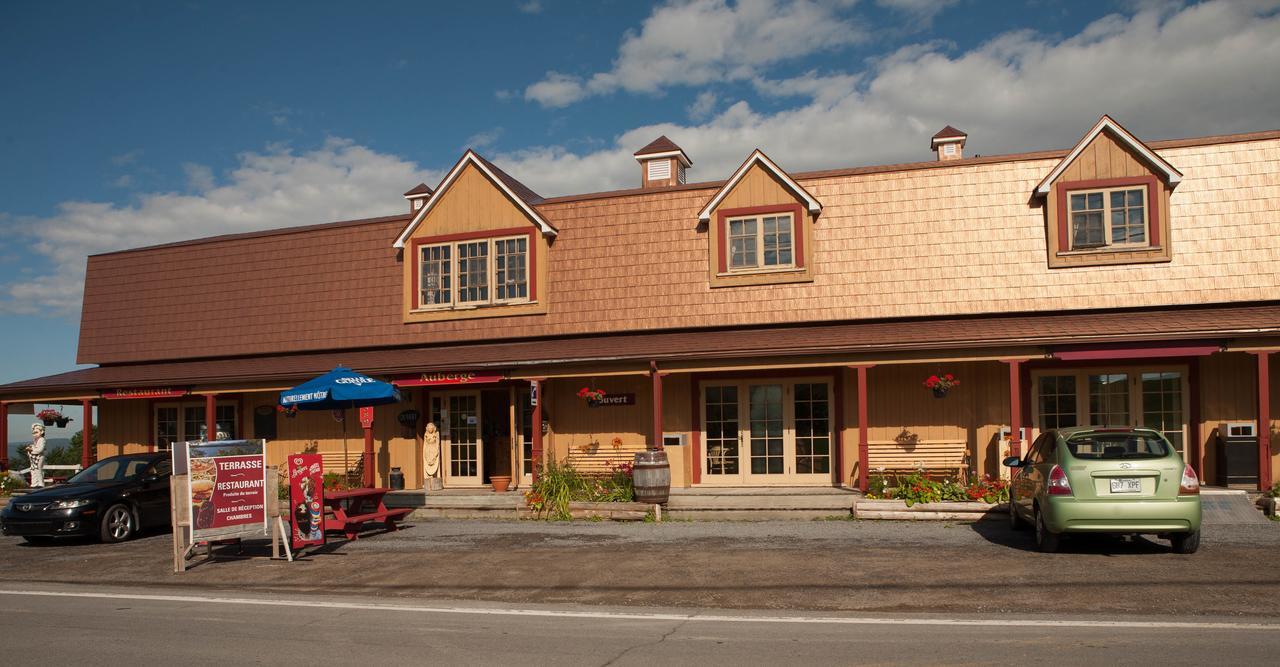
(1153, 397)
(767, 432)
(462, 450)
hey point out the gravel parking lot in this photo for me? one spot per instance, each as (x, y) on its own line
(802, 565)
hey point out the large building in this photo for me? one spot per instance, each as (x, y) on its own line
(771, 328)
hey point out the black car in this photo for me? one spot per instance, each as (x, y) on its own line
(112, 499)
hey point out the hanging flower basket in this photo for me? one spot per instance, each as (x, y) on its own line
(591, 396)
(50, 416)
(62, 423)
(940, 385)
(290, 412)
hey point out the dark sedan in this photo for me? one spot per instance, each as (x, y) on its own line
(112, 499)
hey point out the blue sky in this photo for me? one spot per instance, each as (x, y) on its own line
(129, 123)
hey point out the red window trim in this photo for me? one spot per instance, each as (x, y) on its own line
(797, 232)
(416, 245)
(1064, 188)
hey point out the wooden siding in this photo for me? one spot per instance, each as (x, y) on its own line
(124, 427)
(949, 240)
(1228, 392)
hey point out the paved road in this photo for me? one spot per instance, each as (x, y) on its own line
(141, 626)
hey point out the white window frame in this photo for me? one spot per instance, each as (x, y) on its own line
(180, 424)
(759, 266)
(1107, 244)
(491, 274)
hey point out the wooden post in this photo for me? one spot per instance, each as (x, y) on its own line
(656, 377)
(210, 417)
(514, 439)
(1015, 407)
(1264, 420)
(863, 455)
(1195, 448)
(86, 435)
(366, 421)
(536, 387)
(4, 428)
(837, 452)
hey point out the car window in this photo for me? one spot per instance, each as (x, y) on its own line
(161, 468)
(102, 471)
(1116, 446)
(1035, 455)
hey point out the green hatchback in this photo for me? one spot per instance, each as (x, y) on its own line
(1105, 480)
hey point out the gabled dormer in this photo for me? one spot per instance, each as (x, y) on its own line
(760, 227)
(1107, 201)
(476, 248)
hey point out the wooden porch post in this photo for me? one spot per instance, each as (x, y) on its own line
(837, 452)
(4, 428)
(366, 422)
(656, 443)
(210, 417)
(86, 434)
(863, 457)
(1264, 420)
(1015, 407)
(536, 387)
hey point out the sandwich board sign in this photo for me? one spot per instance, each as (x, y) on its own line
(227, 488)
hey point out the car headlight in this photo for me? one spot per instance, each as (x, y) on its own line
(69, 504)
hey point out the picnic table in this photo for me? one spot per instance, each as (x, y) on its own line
(350, 509)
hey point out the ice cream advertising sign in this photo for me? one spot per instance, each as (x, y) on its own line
(228, 489)
(306, 499)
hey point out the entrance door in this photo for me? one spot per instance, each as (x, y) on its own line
(460, 441)
(1162, 405)
(767, 433)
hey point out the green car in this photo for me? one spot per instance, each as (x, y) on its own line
(1105, 480)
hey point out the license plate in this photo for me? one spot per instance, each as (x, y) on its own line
(1126, 485)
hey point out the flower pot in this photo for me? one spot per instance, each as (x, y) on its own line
(62, 423)
(500, 483)
(48, 422)
(939, 392)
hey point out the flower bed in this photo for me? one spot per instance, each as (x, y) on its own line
(934, 511)
(561, 489)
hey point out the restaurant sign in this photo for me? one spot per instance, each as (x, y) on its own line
(144, 392)
(306, 499)
(445, 378)
(228, 482)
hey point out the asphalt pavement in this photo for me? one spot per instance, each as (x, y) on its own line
(98, 625)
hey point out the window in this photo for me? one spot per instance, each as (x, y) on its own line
(474, 273)
(1057, 401)
(1109, 399)
(1104, 218)
(1113, 446)
(188, 420)
(760, 243)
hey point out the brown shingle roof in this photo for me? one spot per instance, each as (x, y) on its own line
(522, 191)
(419, 189)
(949, 132)
(660, 145)
(1212, 323)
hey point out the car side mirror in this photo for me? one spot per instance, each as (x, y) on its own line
(1012, 462)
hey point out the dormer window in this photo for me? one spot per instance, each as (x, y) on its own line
(473, 273)
(1111, 217)
(760, 242)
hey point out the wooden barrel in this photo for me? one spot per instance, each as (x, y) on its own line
(652, 477)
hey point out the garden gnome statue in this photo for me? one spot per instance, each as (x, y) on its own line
(35, 454)
(431, 457)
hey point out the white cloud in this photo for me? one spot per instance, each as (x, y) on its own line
(199, 177)
(530, 7)
(483, 139)
(920, 10)
(277, 187)
(125, 159)
(694, 43)
(703, 105)
(122, 181)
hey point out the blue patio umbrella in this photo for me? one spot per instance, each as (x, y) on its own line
(340, 388)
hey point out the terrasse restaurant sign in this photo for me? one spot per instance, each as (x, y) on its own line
(144, 392)
(438, 378)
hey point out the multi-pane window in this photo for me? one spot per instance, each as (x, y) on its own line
(1162, 405)
(1109, 399)
(188, 421)
(813, 428)
(722, 430)
(166, 427)
(473, 273)
(1101, 218)
(759, 243)
(511, 275)
(1057, 401)
(436, 275)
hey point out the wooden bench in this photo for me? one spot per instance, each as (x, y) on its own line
(599, 460)
(344, 463)
(933, 457)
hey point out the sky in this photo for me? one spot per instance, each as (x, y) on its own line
(124, 124)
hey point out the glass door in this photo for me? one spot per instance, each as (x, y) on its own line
(767, 433)
(722, 432)
(1162, 405)
(464, 453)
(524, 430)
(1150, 396)
(765, 410)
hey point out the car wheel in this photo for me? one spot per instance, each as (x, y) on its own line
(38, 539)
(1185, 543)
(1015, 521)
(117, 524)
(1046, 541)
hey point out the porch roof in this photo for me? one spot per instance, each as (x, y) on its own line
(1203, 323)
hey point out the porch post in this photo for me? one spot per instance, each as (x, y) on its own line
(366, 422)
(863, 457)
(4, 428)
(210, 417)
(837, 452)
(536, 386)
(1264, 420)
(1015, 407)
(656, 443)
(86, 434)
